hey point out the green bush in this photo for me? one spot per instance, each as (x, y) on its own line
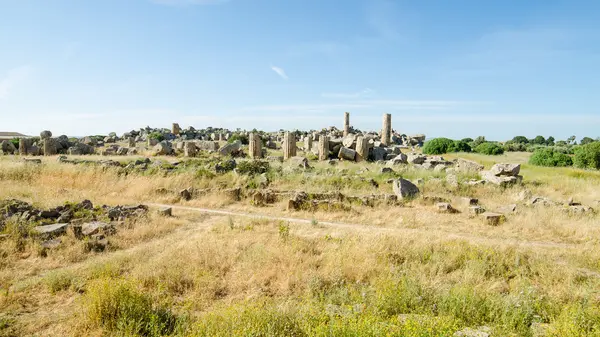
(460, 146)
(534, 147)
(438, 146)
(118, 306)
(520, 140)
(467, 140)
(242, 138)
(157, 135)
(549, 157)
(540, 140)
(15, 142)
(587, 156)
(586, 140)
(253, 167)
(489, 149)
(512, 146)
(478, 141)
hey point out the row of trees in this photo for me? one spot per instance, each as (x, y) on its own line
(446, 145)
(546, 152)
(586, 156)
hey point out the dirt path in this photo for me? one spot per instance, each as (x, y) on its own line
(374, 229)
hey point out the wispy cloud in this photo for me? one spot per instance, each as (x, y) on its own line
(13, 78)
(280, 72)
(188, 2)
(366, 92)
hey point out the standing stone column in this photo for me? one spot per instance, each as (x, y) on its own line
(255, 147)
(308, 143)
(346, 123)
(362, 148)
(386, 132)
(289, 145)
(49, 147)
(323, 147)
(176, 130)
(131, 142)
(23, 146)
(189, 149)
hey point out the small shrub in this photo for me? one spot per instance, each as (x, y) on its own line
(549, 157)
(15, 142)
(586, 140)
(489, 149)
(539, 140)
(58, 281)
(512, 146)
(459, 146)
(438, 146)
(242, 138)
(253, 167)
(118, 306)
(520, 140)
(478, 141)
(587, 156)
(157, 135)
(284, 230)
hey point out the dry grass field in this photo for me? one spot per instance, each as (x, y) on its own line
(357, 270)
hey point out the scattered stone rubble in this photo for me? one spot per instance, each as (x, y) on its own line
(349, 144)
(82, 220)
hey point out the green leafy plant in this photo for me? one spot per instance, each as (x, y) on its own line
(459, 146)
(157, 135)
(284, 230)
(253, 167)
(549, 157)
(489, 149)
(587, 156)
(242, 138)
(438, 146)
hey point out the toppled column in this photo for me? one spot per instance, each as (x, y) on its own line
(308, 143)
(255, 147)
(346, 123)
(323, 147)
(23, 145)
(386, 132)
(362, 148)
(176, 130)
(289, 145)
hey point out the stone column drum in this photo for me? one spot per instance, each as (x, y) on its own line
(346, 123)
(23, 146)
(323, 147)
(255, 147)
(289, 145)
(386, 132)
(308, 143)
(362, 148)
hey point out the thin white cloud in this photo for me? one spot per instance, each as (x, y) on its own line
(280, 72)
(366, 92)
(13, 78)
(188, 2)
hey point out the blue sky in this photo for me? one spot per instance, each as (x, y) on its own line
(455, 68)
